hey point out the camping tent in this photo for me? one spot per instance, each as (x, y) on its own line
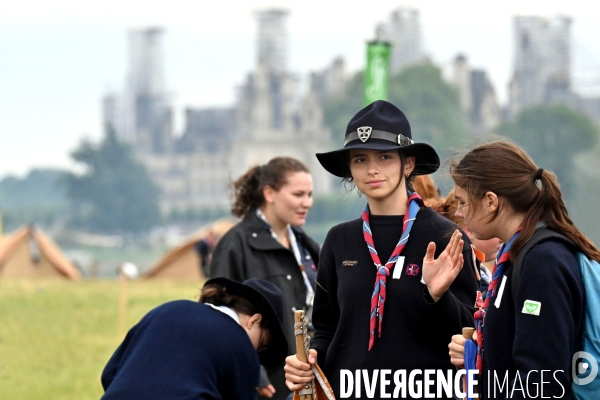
(183, 262)
(29, 254)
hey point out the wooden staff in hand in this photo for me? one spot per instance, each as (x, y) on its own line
(468, 335)
(318, 389)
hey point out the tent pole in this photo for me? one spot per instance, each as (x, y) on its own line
(122, 303)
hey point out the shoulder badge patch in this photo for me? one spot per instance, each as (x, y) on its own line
(531, 307)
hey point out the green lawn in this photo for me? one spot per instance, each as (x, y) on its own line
(56, 336)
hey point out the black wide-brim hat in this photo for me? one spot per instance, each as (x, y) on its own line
(380, 126)
(268, 301)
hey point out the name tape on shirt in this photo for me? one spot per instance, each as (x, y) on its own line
(398, 268)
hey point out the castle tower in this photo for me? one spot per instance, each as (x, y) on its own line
(403, 31)
(149, 118)
(542, 61)
(272, 39)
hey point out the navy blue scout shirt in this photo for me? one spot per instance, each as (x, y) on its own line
(416, 331)
(183, 350)
(541, 341)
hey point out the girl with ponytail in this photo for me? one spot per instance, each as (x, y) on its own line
(502, 193)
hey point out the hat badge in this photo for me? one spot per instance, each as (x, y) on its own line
(364, 133)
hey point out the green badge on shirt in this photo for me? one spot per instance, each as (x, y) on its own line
(531, 307)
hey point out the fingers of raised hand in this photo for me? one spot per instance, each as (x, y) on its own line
(456, 243)
(457, 264)
(430, 251)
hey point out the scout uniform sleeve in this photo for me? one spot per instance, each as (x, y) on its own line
(326, 311)
(548, 299)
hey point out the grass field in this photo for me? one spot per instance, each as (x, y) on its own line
(56, 336)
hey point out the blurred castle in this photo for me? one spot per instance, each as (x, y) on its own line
(542, 70)
(270, 117)
(478, 99)
(541, 75)
(220, 144)
(477, 96)
(403, 31)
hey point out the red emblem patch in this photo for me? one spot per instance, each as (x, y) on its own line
(412, 270)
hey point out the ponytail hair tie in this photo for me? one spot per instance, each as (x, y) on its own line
(539, 174)
(261, 169)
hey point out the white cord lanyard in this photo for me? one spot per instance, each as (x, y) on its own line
(310, 293)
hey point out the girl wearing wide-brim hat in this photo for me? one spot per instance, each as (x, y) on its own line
(380, 303)
(210, 349)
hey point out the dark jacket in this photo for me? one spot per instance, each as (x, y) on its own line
(537, 348)
(249, 251)
(416, 331)
(183, 350)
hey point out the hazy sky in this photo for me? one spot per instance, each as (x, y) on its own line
(58, 57)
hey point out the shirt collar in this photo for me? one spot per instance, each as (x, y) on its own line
(226, 310)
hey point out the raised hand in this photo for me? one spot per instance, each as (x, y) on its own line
(438, 274)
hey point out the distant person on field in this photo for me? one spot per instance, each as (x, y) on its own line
(205, 248)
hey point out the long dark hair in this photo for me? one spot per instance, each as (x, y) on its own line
(507, 170)
(248, 189)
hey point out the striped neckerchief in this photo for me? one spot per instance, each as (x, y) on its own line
(310, 293)
(415, 202)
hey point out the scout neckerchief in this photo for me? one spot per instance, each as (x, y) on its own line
(415, 202)
(310, 293)
(499, 266)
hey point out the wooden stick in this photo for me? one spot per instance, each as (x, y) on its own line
(300, 352)
(468, 333)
